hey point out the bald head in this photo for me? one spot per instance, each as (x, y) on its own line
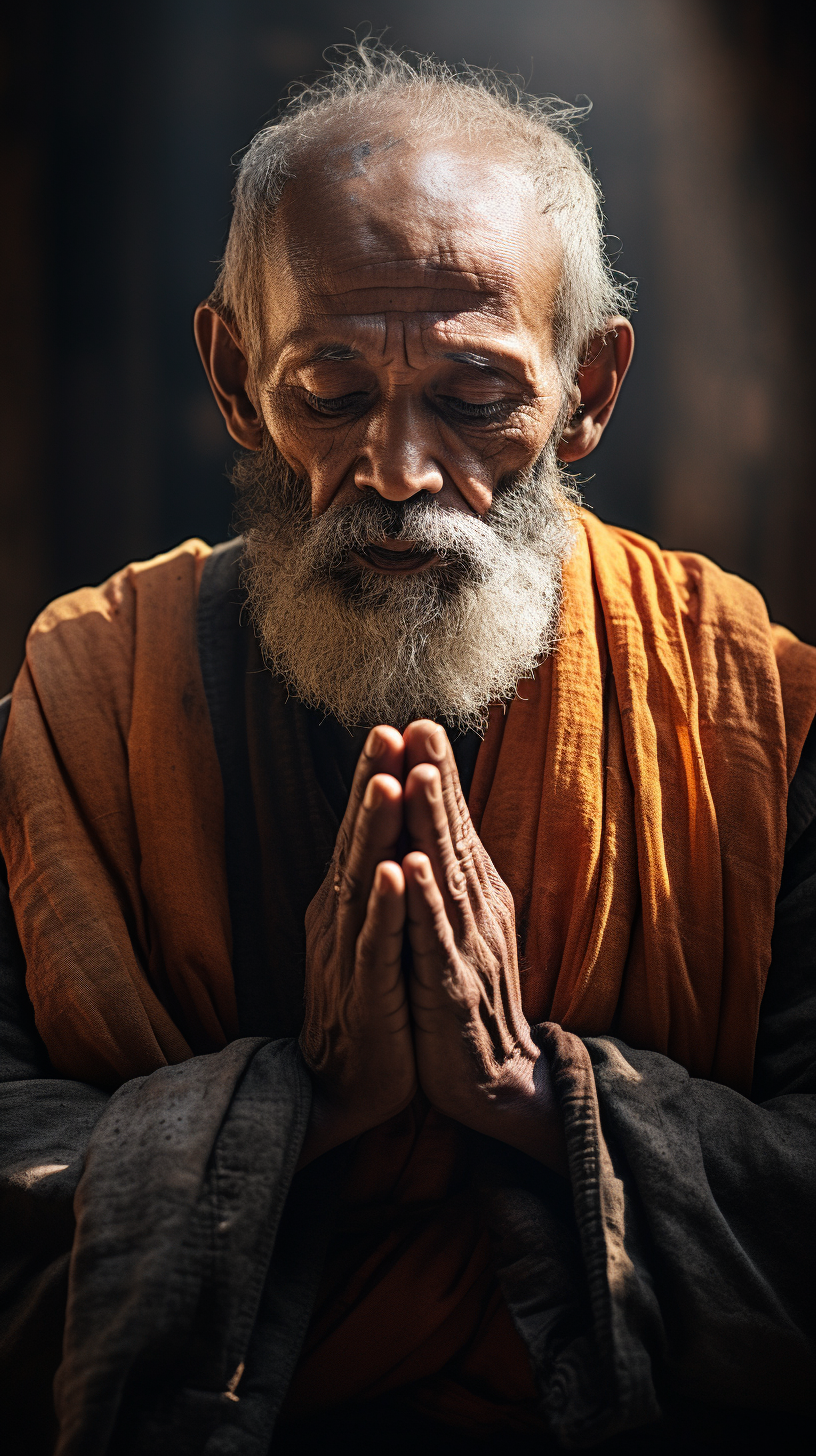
(378, 221)
(378, 120)
(439, 165)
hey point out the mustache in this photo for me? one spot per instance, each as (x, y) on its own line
(457, 536)
(420, 520)
(443, 643)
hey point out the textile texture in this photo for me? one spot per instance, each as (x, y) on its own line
(653, 751)
(648, 1281)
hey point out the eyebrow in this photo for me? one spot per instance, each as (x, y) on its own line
(479, 361)
(336, 352)
(340, 353)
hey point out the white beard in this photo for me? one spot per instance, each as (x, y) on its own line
(443, 643)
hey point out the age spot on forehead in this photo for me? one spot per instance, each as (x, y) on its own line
(355, 154)
(438, 209)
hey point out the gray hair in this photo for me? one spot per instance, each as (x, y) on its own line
(367, 79)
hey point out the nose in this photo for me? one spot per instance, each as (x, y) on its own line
(397, 457)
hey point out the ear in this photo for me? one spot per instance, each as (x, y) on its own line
(226, 367)
(598, 385)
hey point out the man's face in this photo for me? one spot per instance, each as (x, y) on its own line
(408, 345)
(406, 517)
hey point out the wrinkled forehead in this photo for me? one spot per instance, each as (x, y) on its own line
(377, 221)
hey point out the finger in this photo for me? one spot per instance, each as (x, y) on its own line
(443, 983)
(429, 929)
(465, 904)
(428, 826)
(427, 742)
(437, 985)
(378, 961)
(383, 752)
(376, 830)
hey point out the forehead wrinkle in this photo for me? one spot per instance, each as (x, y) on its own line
(474, 272)
(496, 259)
(380, 331)
(435, 295)
(480, 255)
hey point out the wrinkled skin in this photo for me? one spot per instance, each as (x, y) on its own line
(407, 346)
(456, 1028)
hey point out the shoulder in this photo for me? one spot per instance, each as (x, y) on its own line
(84, 650)
(746, 669)
(83, 630)
(703, 592)
(113, 601)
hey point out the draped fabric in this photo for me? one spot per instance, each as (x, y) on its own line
(409, 1296)
(632, 796)
(111, 826)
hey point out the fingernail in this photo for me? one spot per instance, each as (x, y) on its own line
(374, 744)
(436, 745)
(373, 796)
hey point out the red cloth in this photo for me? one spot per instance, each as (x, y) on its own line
(411, 1259)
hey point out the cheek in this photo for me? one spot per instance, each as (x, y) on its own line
(476, 466)
(323, 457)
(523, 439)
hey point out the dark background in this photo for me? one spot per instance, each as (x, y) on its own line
(118, 127)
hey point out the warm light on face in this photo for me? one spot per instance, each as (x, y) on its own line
(409, 327)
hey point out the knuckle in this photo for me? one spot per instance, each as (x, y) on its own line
(456, 880)
(348, 888)
(366, 945)
(464, 855)
(464, 830)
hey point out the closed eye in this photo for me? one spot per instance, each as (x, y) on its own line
(335, 404)
(492, 409)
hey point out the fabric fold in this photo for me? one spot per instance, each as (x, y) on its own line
(112, 815)
(632, 796)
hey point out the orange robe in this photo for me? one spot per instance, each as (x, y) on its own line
(632, 796)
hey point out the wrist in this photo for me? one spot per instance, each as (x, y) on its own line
(535, 1126)
(333, 1122)
(538, 1132)
(523, 1113)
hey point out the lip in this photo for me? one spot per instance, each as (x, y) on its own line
(395, 558)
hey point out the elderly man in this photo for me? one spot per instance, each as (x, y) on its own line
(501, 1126)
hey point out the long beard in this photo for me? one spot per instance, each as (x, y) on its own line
(442, 643)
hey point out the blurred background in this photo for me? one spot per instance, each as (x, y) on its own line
(119, 126)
